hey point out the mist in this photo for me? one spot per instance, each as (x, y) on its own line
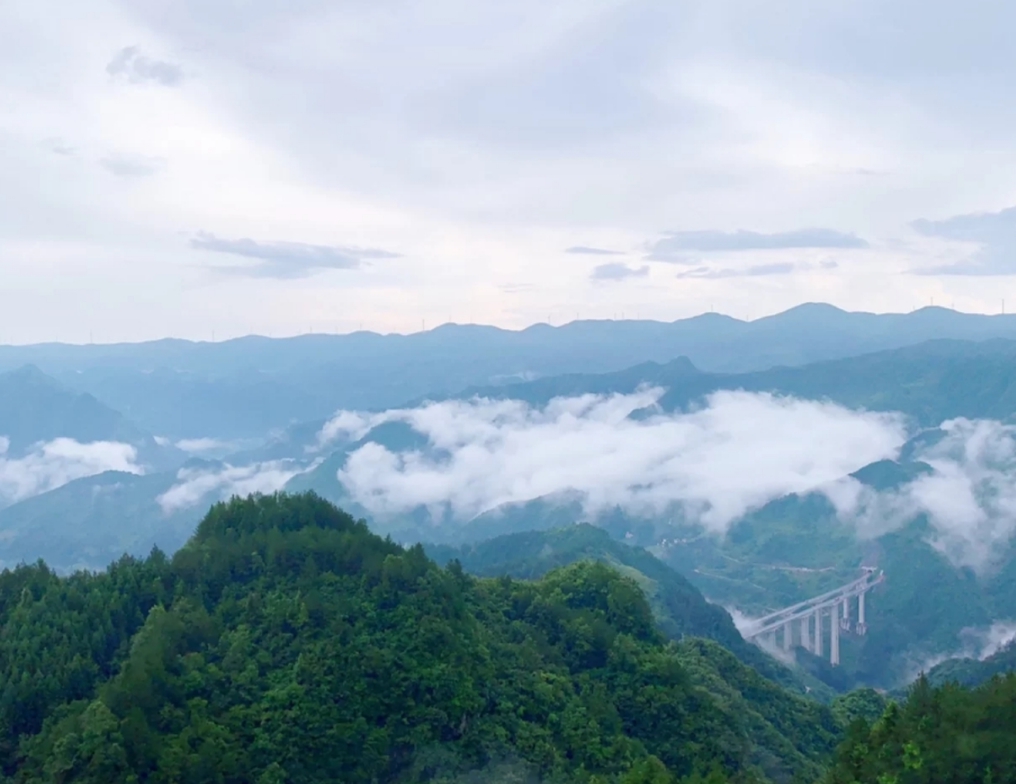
(196, 486)
(733, 454)
(969, 496)
(50, 465)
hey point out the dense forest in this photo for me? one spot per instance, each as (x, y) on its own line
(944, 735)
(287, 643)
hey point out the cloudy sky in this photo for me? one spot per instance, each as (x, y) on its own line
(206, 167)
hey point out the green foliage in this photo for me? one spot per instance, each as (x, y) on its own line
(797, 547)
(945, 735)
(789, 734)
(866, 704)
(679, 607)
(285, 642)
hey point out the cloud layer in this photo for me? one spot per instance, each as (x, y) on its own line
(992, 233)
(50, 465)
(735, 454)
(618, 271)
(481, 141)
(754, 271)
(130, 64)
(969, 497)
(195, 485)
(287, 259)
(585, 250)
(676, 244)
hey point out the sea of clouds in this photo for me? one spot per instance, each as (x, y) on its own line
(733, 454)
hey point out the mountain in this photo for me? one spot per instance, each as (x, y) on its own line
(797, 547)
(35, 408)
(51, 434)
(87, 523)
(679, 608)
(285, 642)
(931, 382)
(970, 671)
(248, 386)
(946, 735)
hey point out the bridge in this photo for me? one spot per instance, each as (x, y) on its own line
(807, 618)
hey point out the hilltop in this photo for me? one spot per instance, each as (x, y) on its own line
(285, 642)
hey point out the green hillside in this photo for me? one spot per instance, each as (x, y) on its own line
(286, 643)
(679, 607)
(968, 671)
(945, 735)
(736, 672)
(89, 522)
(796, 547)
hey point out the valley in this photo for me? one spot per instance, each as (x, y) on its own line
(722, 497)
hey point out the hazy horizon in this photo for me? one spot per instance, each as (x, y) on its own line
(226, 337)
(193, 169)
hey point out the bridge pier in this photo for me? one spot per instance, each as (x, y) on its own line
(835, 604)
(834, 639)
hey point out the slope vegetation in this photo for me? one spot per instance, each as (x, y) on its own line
(286, 643)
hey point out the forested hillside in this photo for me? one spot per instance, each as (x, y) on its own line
(285, 642)
(947, 735)
(679, 607)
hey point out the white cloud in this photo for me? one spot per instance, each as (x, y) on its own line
(969, 497)
(735, 454)
(345, 426)
(50, 465)
(975, 643)
(194, 486)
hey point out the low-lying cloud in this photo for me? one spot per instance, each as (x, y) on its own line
(732, 455)
(195, 486)
(736, 453)
(969, 496)
(286, 260)
(978, 643)
(50, 465)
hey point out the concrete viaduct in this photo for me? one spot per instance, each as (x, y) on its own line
(807, 618)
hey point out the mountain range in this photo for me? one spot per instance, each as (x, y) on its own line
(128, 478)
(246, 387)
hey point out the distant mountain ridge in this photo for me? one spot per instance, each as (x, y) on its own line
(36, 408)
(244, 387)
(931, 381)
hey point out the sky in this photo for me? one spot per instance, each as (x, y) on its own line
(210, 169)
